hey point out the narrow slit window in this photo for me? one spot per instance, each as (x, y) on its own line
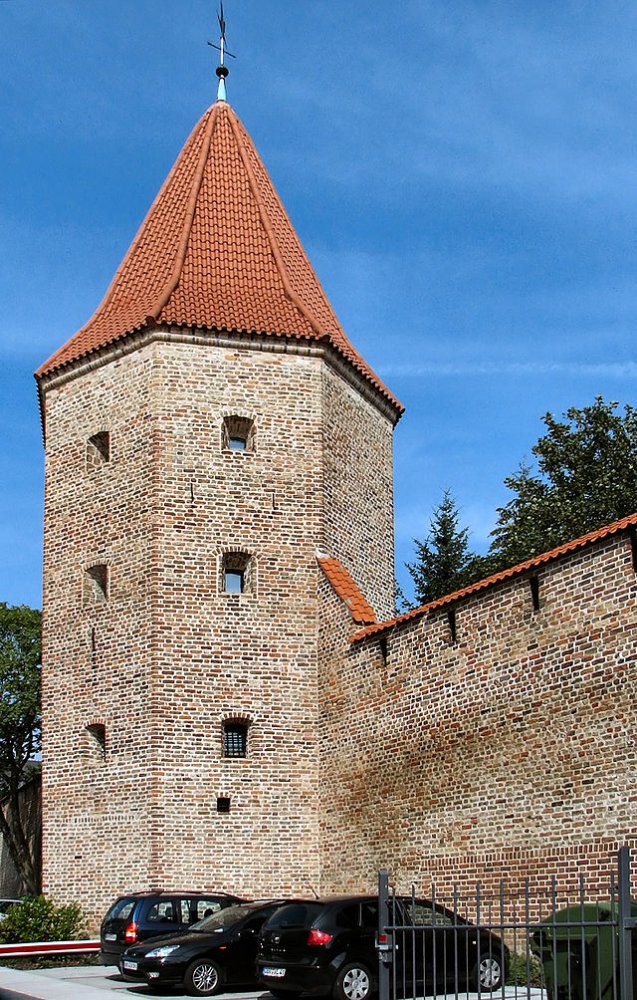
(98, 450)
(451, 621)
(235, 739)
(633, 546)
(534, 583)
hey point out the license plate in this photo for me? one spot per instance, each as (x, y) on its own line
(110, 937)
(127, 964)
(273, 973)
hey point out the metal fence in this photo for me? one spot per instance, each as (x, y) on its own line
(553, 944)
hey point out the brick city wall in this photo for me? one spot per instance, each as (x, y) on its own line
(510, 753)
(166, 658)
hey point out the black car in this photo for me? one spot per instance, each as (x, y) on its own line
(145, 915)
(217, 952)
(328, 946)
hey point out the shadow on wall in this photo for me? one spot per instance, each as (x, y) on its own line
(11, 884)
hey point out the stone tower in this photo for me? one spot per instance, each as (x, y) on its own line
(210, 435)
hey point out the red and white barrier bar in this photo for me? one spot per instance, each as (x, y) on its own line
(38, 948)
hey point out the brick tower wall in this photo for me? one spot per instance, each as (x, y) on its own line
(359, 491)
(97, 665)
(508, 753)
(169, 656)
(251, 656)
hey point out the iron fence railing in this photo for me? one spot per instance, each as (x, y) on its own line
(543, 942)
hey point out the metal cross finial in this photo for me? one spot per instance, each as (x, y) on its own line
(222, 69)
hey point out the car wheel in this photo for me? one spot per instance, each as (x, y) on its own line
(353, 982)
(203, 978)
(487, 974)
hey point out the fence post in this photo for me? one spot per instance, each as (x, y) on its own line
(625, 927)
(382, 942)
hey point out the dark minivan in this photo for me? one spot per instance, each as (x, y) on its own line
(328, 946)
(143, 915)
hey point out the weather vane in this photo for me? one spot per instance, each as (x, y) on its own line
(222, 69)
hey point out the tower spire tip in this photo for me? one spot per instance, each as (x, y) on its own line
(222, 69)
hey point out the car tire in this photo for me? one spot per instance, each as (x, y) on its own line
(487, 974)
(203, 978)
(353, 982)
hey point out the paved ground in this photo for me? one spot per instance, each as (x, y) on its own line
(96, 982)
(84, 983)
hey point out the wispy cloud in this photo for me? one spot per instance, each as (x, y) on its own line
(616, 369)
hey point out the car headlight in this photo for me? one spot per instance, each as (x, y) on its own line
(162, 952)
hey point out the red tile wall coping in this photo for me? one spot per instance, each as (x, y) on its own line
(624, 524)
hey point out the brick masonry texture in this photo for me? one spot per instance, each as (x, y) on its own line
(166, 658)
(509, 753)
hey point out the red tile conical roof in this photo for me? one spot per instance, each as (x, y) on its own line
(216, 251)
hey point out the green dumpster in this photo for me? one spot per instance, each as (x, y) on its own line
(579, 952)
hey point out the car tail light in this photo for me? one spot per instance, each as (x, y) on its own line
(130, 934)
(318, 937)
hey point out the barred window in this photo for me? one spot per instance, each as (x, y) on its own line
(235, 739)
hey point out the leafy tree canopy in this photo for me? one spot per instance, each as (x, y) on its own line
(586, 477)
(20, 654)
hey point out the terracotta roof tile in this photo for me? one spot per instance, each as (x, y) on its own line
(216, 251)
(506, 574)
(347, 590)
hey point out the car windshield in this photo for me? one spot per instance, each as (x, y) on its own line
(223, 920)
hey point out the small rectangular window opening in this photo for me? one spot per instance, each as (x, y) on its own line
(384, 649)
(237, 434)
(98, 450)
(97, 732)
(535, 592)
(223, 804)
(96, 584)
(236, 573)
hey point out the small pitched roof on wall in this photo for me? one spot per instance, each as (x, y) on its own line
(216, 251)
(345, 588)
(615, 528)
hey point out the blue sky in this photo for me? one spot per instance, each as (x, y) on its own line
(462, 174)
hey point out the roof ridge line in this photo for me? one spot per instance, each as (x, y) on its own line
(287, 287)
(162, 300)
